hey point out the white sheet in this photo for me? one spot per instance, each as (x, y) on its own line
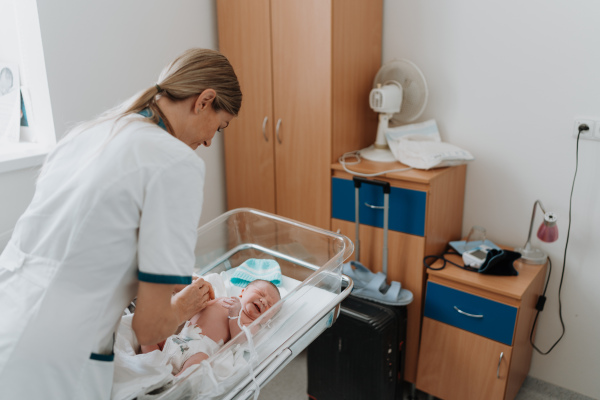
(139, 374)
(297, 310)
(136, 374)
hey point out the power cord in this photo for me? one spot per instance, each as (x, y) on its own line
(429, 265)
(356, 154)
(542, 299)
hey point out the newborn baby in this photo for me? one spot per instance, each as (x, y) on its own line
(205, 333)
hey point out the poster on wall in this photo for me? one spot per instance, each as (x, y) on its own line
(10, 103)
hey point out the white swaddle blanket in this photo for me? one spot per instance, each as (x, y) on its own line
(137, 375)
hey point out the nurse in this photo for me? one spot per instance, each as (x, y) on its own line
(113, 217)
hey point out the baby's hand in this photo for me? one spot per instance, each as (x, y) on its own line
(233, 305)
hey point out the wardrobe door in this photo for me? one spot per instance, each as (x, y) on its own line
(245, 39)
(301, 35)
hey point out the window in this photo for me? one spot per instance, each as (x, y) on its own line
(21, 48)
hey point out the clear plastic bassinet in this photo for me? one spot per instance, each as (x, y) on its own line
(309, 255)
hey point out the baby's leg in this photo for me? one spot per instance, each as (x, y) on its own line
(148, 348)
(193, 360)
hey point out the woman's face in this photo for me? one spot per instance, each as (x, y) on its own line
(203, 125)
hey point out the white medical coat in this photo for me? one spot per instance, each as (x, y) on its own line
(99, 221)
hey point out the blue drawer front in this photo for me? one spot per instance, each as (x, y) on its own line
(407, 207)
(498, 322)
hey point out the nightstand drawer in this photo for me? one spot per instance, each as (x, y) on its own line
(407, 207)
(472, 313)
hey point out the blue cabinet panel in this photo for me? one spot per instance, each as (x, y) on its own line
(407, 207)
(497, 321)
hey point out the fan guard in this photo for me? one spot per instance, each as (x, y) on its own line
(414, 94)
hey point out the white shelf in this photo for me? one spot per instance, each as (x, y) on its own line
(22, 155)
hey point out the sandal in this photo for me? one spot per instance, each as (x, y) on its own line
(379, 291)
(360, 275)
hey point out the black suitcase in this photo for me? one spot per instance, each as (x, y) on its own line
(362, 355)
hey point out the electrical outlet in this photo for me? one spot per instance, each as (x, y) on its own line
(590, 134)
(597, 131)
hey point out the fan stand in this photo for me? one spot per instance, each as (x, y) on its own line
(380, 151)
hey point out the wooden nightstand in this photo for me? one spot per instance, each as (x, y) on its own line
(475, 333)
(426, 211)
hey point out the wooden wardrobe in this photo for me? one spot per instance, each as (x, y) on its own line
(306, 68)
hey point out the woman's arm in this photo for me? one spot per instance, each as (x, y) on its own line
(158, 313)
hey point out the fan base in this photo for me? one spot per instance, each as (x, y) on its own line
(379, 155)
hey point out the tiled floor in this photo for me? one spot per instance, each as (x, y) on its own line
(290, 384)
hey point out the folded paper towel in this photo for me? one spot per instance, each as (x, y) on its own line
(420, 146)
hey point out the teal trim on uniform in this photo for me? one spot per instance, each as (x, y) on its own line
(169, 279)
(147, 113)
(102, 357)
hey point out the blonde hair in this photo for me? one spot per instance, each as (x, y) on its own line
(188, 75)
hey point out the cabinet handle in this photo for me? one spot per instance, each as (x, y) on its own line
(375, 207)
(467, 314)
(277, 130)
(265, 128)
(499, 361)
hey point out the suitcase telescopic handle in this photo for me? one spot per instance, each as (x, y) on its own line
(386, 195)
(358, 181)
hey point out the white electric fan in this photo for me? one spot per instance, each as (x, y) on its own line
(399, 95)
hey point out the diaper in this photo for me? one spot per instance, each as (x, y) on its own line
(179, 348)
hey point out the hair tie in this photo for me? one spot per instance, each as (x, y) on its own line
(158, 88)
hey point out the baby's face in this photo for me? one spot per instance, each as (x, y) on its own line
(257, 298)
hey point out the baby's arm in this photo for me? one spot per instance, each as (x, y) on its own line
(233, 306)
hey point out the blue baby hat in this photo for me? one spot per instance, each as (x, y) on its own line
(253, 269)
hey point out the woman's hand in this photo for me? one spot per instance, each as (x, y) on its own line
(159, 312)
(179, 288)
(192, 299)
(232, 304)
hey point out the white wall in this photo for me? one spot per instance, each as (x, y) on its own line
(100, 53)
(506, 79)
(17, 190)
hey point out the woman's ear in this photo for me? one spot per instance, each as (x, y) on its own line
(204, 100)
